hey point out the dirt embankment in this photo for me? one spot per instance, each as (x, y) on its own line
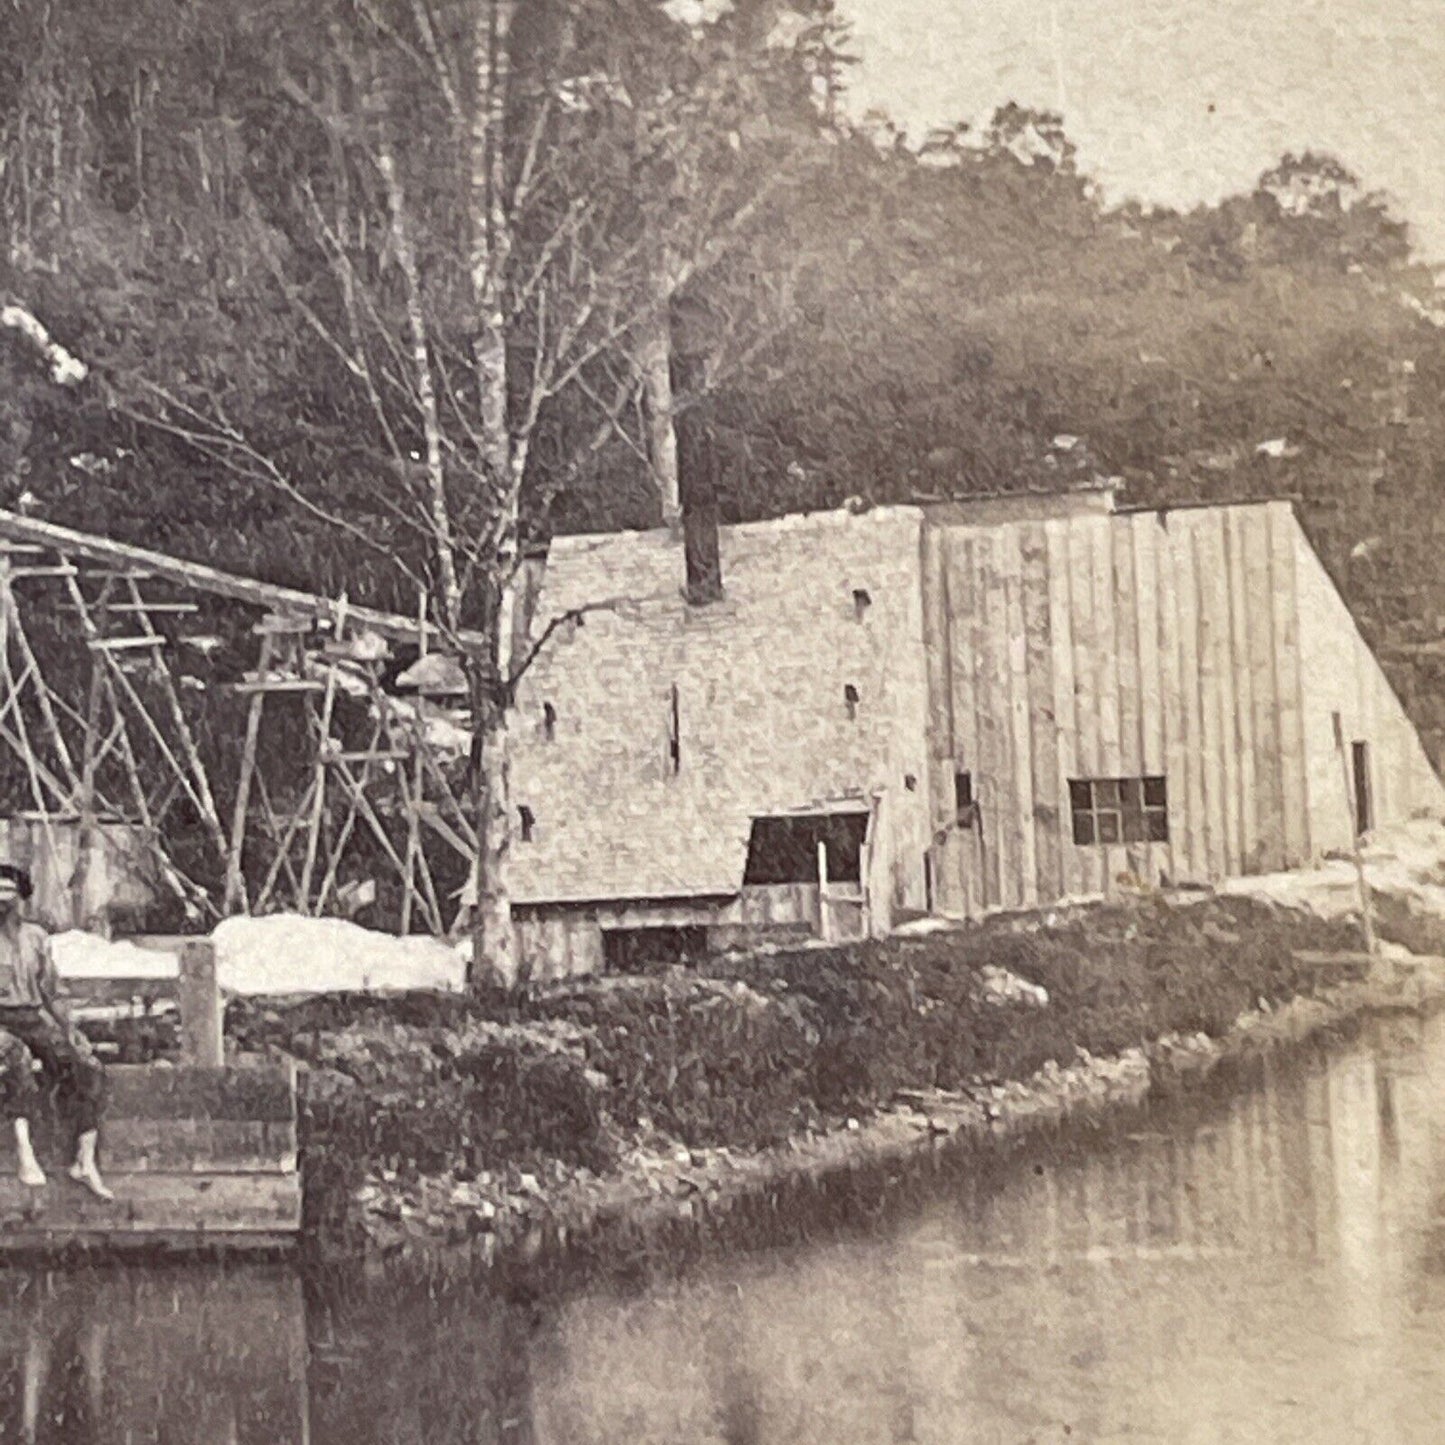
(435, 1120)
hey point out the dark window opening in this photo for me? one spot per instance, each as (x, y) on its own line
(549, 721)
(674, 732)
(647, 950)
(785, 850)
(1119, 810)
(964, 811)
(527, 820)
(910, 781)
(1364, 796)
(861, 602)
(850, 699)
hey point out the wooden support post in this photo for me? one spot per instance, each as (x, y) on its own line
(418, 782)
(10, 625)
(865, 869)
(189, 751)
(199, 1004)
(90, 764)
(318, 797)
(235, 873)
(825, 922)
(1367, 907)
(199, 792)
(418, 789)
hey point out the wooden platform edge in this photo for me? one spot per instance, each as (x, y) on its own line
(58, 1246)
(197, 1213)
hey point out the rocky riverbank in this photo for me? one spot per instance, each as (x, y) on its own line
(660, 1185)
(625, 1109)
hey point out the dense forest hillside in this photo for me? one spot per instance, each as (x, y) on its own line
(885, 322)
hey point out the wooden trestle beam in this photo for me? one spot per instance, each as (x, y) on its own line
(130, 748)
(141, 561)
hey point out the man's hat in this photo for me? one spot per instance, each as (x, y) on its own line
(20, 877)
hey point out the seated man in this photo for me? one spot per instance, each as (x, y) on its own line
(35, 1024)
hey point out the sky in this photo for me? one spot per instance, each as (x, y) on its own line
(1182, 101)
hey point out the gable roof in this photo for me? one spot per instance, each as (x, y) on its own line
(763, 723)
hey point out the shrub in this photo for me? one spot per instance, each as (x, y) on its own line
(708, 1061)
(750, 1049)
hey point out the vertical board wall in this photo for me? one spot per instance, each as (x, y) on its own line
(1206, 645)
(1341, 675)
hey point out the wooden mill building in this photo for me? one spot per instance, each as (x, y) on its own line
(949, 709)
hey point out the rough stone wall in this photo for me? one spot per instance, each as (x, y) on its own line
(814, 606)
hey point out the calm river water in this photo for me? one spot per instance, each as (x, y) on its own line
(1264, 1267)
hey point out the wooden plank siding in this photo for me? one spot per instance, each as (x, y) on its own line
(1132, 645)
(1019, 861)
(1339, 674)
(1288, 684)
(1044, 812)
(1205, 645)
(1155, 542)
(1061, 655)
(1127, 688)
(1087, 758)
(938, 660)
(963, 625)
(993, 779)
(1106, 680)
(1266, 715)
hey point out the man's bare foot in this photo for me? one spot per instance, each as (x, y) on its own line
(31, 1175)
(89, 1176)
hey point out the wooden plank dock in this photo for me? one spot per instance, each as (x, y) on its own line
(198, 1157)
(201, 1155)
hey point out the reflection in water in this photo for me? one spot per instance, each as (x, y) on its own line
(1270, 1273)
(1270, 1270)
(190, 1357)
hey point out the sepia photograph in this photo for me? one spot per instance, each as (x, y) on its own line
(722, 722)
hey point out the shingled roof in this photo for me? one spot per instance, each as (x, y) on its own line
(814, 605)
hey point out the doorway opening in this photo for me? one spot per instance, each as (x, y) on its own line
(1364, 794)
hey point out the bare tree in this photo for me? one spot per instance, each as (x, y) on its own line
(462, 207)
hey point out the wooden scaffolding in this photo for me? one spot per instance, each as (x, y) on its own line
(251, 737)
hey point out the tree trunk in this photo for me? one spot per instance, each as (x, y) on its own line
(656, 366)
(494, 951)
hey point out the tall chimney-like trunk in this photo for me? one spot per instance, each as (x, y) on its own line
(656, 361)
(701, 554)
(698, 465)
